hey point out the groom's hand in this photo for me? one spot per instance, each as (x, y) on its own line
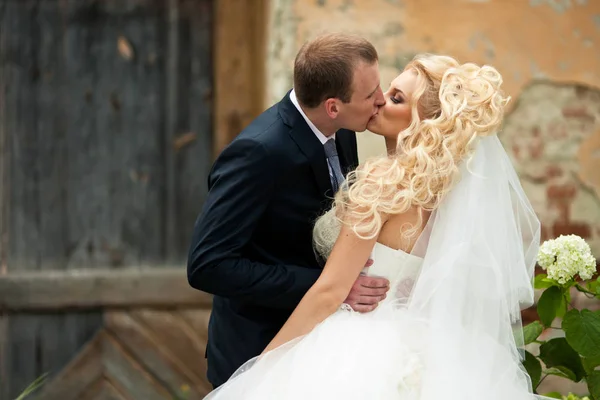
(367, 292)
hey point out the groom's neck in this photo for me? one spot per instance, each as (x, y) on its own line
(321, 120)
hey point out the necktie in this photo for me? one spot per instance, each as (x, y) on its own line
(335, 172)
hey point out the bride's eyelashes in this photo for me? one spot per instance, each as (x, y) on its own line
(397, 100)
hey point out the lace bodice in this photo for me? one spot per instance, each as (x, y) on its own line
(399, 267)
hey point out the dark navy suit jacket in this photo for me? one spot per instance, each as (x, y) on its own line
(252, 243)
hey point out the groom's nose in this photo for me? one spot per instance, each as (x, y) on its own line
(379, 98)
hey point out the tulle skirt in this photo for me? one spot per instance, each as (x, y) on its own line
(378, 355)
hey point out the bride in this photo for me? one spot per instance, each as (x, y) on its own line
(445, 220)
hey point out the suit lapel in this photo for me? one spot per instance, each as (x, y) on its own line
(308, 144)
(313, 150)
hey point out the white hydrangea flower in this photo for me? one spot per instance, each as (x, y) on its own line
(565, 257)
(572, 396)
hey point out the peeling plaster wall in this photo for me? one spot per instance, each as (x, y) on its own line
(547, 50)
(558, 40)
(553, 138)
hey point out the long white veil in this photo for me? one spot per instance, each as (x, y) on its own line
(479, 251)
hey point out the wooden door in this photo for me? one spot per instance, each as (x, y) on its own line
(106, 138)
(141, 354)
(111, 112)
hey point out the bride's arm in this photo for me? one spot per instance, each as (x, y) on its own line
(347, 259)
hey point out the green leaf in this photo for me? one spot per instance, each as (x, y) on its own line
(541, 281)
(562, 372)
(582, 330)
(557, 353)
(533, 367)
(567, 294)
(553, 395)
(562, 309)
(590, 363)
(593, 382)
(594, 286)
(532, 331)
(549, 304)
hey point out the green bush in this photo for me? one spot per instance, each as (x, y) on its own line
(575, 355)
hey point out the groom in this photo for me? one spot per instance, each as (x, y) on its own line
(252, 243)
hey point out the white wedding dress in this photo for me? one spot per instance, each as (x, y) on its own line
(447, 327)
(349, 355)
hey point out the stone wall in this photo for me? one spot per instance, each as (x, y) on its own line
(553, 138)
(547, 50)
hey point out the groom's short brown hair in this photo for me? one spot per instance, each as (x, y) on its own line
(324, 67)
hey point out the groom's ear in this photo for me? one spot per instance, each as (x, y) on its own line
(332, 108)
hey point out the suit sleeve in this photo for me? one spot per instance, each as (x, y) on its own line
(241, 185)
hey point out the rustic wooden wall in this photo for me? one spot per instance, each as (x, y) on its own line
(106, 141)
(111, 112)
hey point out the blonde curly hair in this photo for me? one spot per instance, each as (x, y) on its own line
(452, 106)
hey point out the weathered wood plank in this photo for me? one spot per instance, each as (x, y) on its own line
(4, 147)
(122, 368)
(59, 336)
(238, 66)
(101, 389)
(83, 371)
(115, 179)
(198, 321)
(170, 132)
(62, 336)
(51, 143)
(21, 40)
(115, 389)
(4, 194)
(4, 364)
(99, 288)
(22, 354)
(107, 392)
(177, 338)
(152, 353)
(193, 158)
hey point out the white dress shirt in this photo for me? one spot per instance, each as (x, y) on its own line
(322, 138)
